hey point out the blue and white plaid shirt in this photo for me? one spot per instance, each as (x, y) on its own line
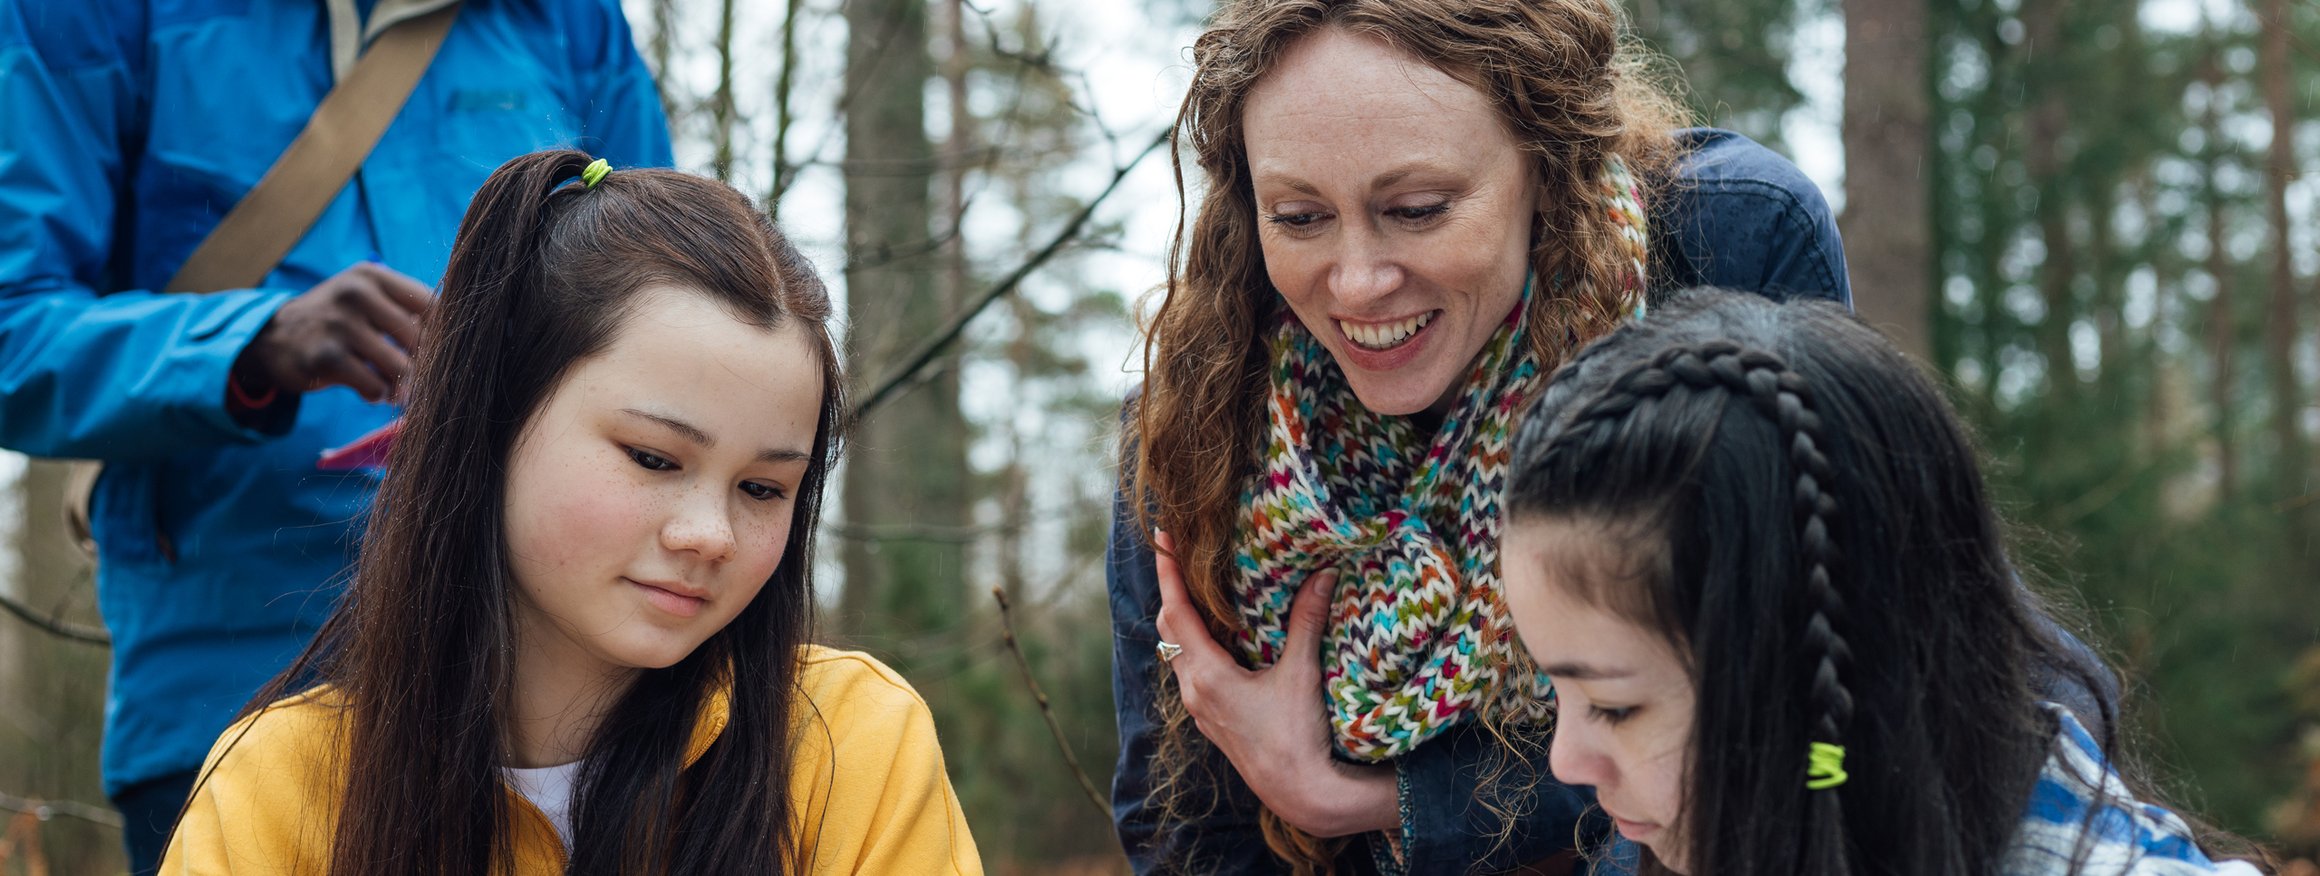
(2081, 811)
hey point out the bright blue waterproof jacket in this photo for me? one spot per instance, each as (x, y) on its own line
(127, 129)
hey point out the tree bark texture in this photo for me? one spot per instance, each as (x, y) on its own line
(907, 468)
(2281, 324)
(52, 690)
(722, 115)
(1888, 217)
(2222, 320)
(2045, 157)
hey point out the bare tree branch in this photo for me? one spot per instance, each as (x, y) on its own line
(910, 532)
(846, 97)
(47, 809)
(54, 625)
(934, 346)
(784, 87)
(664, 18)
(890, 253)
(721, 111)
(1054, 728)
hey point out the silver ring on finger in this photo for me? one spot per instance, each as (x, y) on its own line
(1167, 651)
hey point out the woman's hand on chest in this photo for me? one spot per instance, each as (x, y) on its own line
(1270, 723)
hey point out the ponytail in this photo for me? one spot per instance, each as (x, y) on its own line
(421, 651)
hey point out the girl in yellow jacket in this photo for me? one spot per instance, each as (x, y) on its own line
(578, 637)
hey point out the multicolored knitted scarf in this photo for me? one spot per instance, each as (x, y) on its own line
(1417, 634)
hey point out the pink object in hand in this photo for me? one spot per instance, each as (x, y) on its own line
(368, 451)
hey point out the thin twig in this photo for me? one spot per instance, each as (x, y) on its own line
(1007, 634)
(2099, 496)
(2294, 502)
(911, 532)
(851, 88)
(721, 102)
(55, 626)
(47, 809)
(888, 254)
(784, 87)
(934, 346)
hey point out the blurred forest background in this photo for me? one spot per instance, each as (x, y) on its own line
(2093, 216)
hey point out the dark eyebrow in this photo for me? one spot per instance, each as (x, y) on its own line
(1383, 180)
(1583, 672)
(689, 431)
(1295, 185)
(1402, 174)
(694, 434)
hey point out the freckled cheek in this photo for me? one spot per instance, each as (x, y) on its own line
(765, 540)
(1489, 275)
(1296, 268)
(1486, 257)
(577, 511)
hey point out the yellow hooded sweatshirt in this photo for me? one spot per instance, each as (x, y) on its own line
(871, 793)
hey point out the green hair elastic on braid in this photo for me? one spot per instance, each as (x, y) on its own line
(1825, 767)
(595, 172)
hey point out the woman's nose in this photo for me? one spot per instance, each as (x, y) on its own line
(1365, 269)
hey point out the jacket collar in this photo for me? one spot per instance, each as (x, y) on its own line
(349, 33)
(716, 710)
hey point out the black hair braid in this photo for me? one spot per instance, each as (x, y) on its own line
(1786, 398)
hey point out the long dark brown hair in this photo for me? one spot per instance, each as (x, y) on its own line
(543, 275)
(1571, 90)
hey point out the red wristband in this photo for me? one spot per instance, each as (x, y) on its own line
(242, 399)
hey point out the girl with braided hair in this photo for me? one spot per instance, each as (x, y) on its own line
(1750, 545)
(1408, 212)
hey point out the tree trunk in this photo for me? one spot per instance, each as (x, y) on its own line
(722, 116)
(1887, 159)
(52, 690)
(784, 91)
(906, 477)
(2044, 158)
(2222, 322)
(663, 45)
(2280, 326)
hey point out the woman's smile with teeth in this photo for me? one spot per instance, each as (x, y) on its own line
(1385, 335)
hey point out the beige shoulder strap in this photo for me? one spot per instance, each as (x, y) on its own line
(260, 230)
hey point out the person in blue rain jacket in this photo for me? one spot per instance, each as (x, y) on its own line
(127, 129)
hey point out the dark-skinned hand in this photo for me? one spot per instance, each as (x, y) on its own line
(357, 329)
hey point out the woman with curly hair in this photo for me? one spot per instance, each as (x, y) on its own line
(1412, 211)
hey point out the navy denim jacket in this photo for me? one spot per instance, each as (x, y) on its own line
(1737, 216)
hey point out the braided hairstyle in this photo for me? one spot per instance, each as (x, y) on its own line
(1817, 546)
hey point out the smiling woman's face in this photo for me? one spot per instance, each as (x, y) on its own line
(1394, 211)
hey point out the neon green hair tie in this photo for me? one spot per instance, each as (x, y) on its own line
(595, 172)
(1825, 766)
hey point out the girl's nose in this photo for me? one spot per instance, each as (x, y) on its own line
(700, 526)
(1576, 756)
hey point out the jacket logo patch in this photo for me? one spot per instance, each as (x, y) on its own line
(487, 99)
